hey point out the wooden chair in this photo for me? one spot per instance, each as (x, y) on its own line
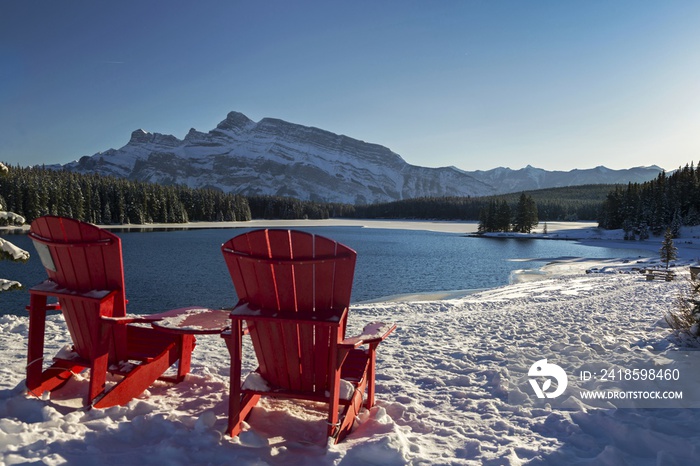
(86, 274)
(294, 293)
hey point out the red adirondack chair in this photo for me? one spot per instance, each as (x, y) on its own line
(85, 269)
(294, 293)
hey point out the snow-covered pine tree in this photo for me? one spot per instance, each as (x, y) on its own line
(676, 223)
(7, 249)
(668, 251)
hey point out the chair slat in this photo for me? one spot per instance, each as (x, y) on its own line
(266, 294)
(303, 247)
(77, 257)
(325, 274)
(280, 247)
(94, 259)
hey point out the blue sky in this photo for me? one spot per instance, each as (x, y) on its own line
(474, 84)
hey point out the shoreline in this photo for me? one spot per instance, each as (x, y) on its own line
(442, 226)
(586, 233)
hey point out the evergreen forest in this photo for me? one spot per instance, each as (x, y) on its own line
(33, 192)
(669, 201)
(104, 200)
(36, 191)
(553, 204)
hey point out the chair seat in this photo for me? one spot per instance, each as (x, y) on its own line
(352, 375)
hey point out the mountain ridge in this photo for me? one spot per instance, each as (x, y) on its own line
(276, 157)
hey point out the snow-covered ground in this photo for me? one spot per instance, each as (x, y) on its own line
(449, 387)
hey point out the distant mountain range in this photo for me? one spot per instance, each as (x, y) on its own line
(275, 157)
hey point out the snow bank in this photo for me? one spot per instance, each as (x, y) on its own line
(12, 251)
(444, 389)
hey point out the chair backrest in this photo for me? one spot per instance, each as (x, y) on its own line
(80, 258)
(300, 277)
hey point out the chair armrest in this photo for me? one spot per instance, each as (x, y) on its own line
(49, 288)
(129, 320)
(49, 307)
(373, 333)
(244, 311)
(194, 321)
(173, 316)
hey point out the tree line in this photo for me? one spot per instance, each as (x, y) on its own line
(34, 191)
(278, 207)
(553, 204)
(641, 209)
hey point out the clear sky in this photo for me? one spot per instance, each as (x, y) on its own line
(474, 84)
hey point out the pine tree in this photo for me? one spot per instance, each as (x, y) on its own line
(643, 231)
(7, 249)
(668, 251)
(676, 224)
(525, 215)
(483, 216)
(503, 216)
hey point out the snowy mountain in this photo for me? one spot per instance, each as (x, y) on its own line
(529, 178)
(274, 157)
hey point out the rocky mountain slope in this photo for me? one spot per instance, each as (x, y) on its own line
(275, 157)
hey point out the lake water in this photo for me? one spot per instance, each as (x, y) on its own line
(170, 269)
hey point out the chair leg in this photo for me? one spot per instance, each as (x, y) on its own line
(35, 349)
(347, 417)
(186, 343)
(334, 389)
(39, 380)
(239, 404)
(98, 377)
(370, 375)
(239, 413)
(139, 379)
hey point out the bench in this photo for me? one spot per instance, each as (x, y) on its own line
(667, 275)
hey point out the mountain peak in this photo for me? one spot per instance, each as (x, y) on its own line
(235, 121)
(139, 136)
(194, 135)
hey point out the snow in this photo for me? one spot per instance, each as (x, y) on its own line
(13, 251)
(11, 217)
(373, 331)
(255, 381)
(7, 249)
(195, 320)
(448, 386)
(6, 285)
